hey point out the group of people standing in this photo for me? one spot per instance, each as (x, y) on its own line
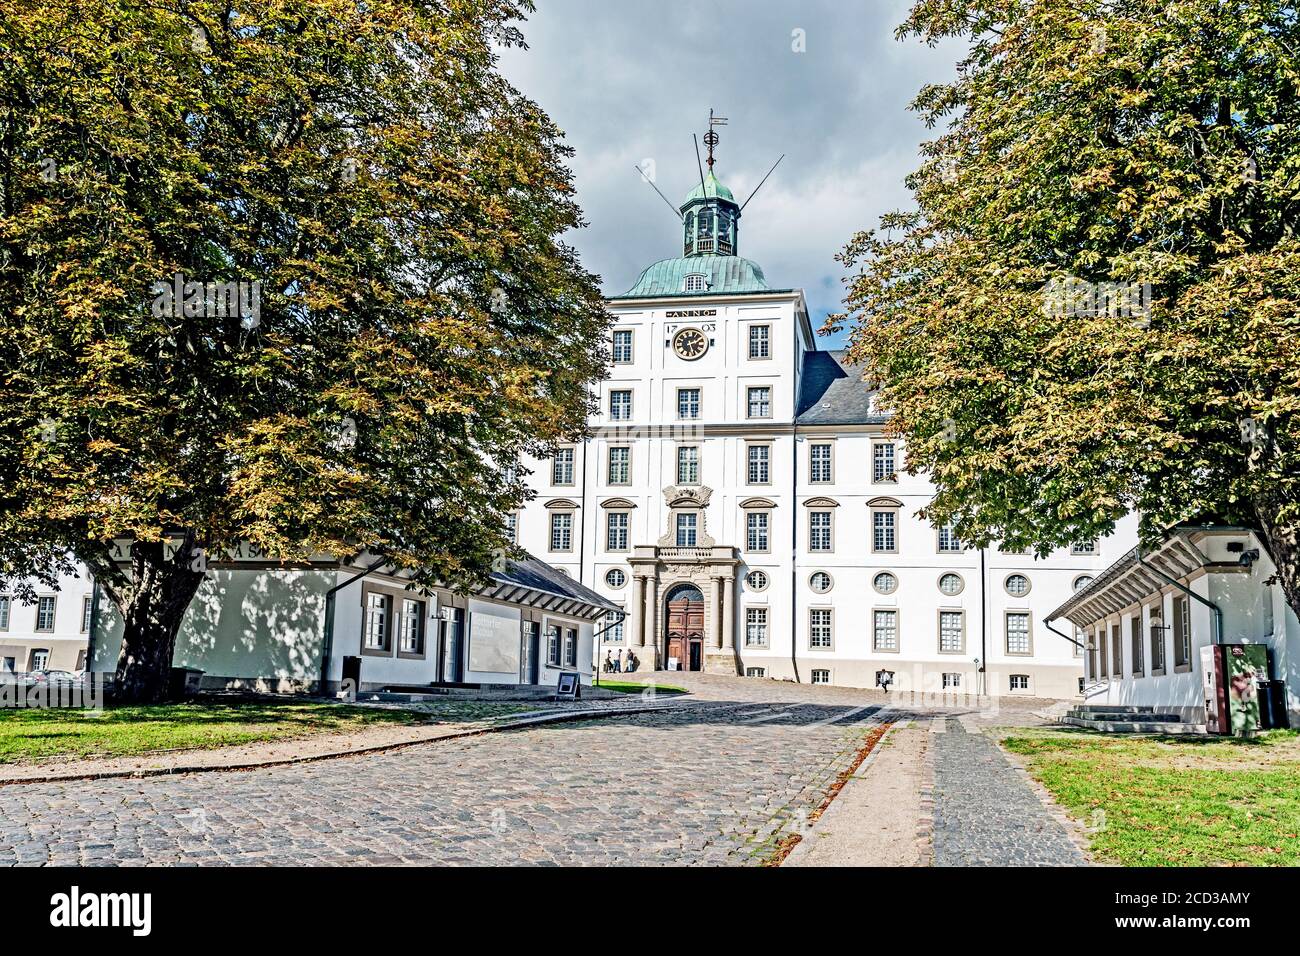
(622, 662)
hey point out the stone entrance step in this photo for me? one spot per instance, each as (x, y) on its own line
(1136, 724)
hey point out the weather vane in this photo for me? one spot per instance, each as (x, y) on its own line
(711, 138)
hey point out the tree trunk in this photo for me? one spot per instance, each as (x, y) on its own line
(153, 606)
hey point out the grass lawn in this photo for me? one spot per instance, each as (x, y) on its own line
(1169, 801)
(631, 687)
(118, 731)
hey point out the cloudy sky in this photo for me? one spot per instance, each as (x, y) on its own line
(630, 82)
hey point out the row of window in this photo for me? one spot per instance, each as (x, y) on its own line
(758, 403)
(46, 606)
(1106, 657)
(759, 344)
(951, 681)
(950, 630)
(758, 456)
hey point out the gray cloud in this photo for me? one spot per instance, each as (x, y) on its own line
(629, 82)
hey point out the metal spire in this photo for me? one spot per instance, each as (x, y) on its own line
(711, 138)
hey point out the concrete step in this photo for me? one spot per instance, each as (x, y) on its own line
(1115, 708)
(1136, 726)
(1121, 715)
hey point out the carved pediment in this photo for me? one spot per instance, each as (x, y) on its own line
(884, 503)
(821, 502)
(689, 496)
(562, 504)
(617, 503)
(758, 503)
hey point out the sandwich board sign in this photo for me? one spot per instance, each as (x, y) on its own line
(567, 686)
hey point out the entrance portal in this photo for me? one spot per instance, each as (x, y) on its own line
(685, 628)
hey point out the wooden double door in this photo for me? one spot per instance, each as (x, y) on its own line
(686, 630)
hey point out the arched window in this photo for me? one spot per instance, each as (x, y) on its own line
(696, 282)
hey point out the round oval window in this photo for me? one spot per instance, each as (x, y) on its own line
(615, 577)
(951, 584)
(756, 580)
(885, 583)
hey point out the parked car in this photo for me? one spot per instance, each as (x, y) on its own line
(56, 678)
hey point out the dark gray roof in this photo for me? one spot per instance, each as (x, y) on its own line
(536, 575)
(831, 392)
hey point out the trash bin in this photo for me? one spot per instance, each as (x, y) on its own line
(185, 682)
(351, 672)
(1272, 704)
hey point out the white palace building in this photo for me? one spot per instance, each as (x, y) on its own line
(739, 499)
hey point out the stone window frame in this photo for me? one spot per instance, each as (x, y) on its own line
(884, 506)
(938, 582)
(877, 573)
(31, 658)
(626, 515)
(752, 445)
(393, 595)
(422, 651)
(817, 506)
(1116, 629)
(699, 402)
(610, 584)
(695, 529)
(1077, 549)
(572, 464)
(749, 402)
(699, 464)
(1156, 637)
(631, 347)
(631, 404)
(945, 684)
(892, 479)
(1137, 651)
(1029, 584)
(830, 578)
(898, 630)
(938, 541)
(86, 609)
(512, 527)
(1007, 614)
(750, 342)
(54, 613)
(7, 606)
(756, 673)
(767, 580)
(830, 463)
(609, 462)
(814, 671)
(938, 629)
(695, 282)
(766, 624)
(551, 528)
(1180, 611)
(820, 609)
(766, 514)
(1011, 684)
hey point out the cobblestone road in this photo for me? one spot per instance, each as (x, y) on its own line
(712, 782)
(985, 812)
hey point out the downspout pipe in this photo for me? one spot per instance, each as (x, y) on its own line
(1047, 623)
(1218, 611)
(327, 643)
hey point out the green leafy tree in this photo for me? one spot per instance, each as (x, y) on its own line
(405, 321)
(1136, 143)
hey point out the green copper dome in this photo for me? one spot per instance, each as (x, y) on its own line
(719, 275)
(711, 189)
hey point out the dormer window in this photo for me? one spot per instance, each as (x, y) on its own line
(696, 282)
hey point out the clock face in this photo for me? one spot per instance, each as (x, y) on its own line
(690, 344)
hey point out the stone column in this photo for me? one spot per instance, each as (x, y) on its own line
(728, 612)
(635, 636)
(650, 631)
(715, 611)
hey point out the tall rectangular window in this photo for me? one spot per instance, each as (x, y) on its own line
(376, 621)
(819, 531)
(951, 632)
(760, 402)
(561, 531)
(882, 462)
(756, 627)
(688, 464)
(614, 628)
(412, 641)
(819, 628)
(1157, 642)
(512, 527)
(759, 472)
(616, 530)
(553, 645)
(1182, 632)
(687, 528)
(819, 463)
(620, 465)
(760, 341)
(1135, 638)
(1017, 633)
(884, 630)
(45, 613)
(4, 611)
(562, 467)
(688, 403)
(622, 346)
(949, 543)
(85, 614)
(570, 647)
(884, 531)
(756, 523)
(620, 405)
